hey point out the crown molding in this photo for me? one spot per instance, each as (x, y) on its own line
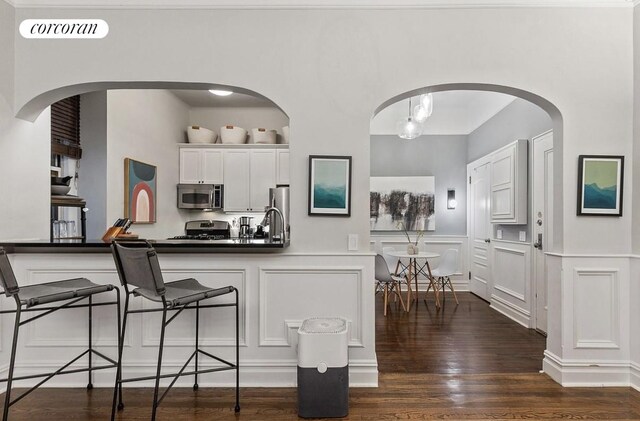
(314, 4)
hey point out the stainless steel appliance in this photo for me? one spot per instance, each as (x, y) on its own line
(205, 230)
(245, 227)
(277, 214)
(200, 196)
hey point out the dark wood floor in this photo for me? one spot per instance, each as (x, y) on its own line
(466, 362)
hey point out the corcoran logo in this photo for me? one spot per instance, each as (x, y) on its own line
(64, 28)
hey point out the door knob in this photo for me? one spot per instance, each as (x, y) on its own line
(487, 240)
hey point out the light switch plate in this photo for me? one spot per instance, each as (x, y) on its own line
(353, 242)
(499, 234)
(523, 236)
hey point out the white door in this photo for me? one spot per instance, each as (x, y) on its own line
(282, 168)
(542, 221)
(479, 228)
(263, 177)
(236, 180)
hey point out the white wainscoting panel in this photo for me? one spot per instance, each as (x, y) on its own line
(596, 308)
(336, 290)
(277, 292)
(511, 271)
(433, 243)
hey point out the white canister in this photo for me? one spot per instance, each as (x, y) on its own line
(285, 134)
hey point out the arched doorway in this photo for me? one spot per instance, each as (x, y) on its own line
(501, 248)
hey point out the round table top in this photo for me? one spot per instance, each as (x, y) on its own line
(420, 255)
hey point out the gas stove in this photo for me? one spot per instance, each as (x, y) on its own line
(205, 230)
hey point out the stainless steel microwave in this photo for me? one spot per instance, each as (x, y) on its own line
(200, 196)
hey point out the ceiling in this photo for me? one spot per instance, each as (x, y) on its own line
(301, 4)
(454, 112)
(195, 98)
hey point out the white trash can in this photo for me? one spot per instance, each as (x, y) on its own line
(323, 368)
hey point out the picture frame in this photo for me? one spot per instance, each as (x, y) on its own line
(329, 185)
(600, 185)
(140, 191)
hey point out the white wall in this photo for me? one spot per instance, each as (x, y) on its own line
(246, 117)
(24, 149)
(635, 234)
(146, 125)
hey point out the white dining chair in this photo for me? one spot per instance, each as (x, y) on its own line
(442, 273)
(387, 283)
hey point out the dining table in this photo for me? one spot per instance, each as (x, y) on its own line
(413, 269)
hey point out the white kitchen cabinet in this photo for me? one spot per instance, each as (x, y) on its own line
(509, 184)
(282, 167)
(248, 175)
(201, 166)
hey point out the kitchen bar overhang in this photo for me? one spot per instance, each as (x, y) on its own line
(234, 245)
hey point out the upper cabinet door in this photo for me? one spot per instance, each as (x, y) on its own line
(263, 177)
(509, 184)
(236, 169)
(212, 166)
(190, 166)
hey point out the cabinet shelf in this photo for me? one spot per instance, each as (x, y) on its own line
(68, 202)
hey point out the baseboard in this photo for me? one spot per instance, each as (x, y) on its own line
(255, 373)
(634, 376)
(576, 373)
(511, 311)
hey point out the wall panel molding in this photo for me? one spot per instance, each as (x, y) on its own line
(602, 286)
(270, 277)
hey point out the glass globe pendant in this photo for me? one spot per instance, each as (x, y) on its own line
(409, 128)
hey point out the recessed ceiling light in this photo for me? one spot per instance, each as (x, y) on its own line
(220, 92)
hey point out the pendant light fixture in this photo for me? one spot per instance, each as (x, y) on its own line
(409, 128)
(424, 109)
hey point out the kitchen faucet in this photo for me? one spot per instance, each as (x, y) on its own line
(265, 222)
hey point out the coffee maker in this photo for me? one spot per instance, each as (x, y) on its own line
(245, 227)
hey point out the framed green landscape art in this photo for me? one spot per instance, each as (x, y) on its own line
(600, 185)
(329, 185)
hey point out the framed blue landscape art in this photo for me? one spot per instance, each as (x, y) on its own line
(329, 185)
(600, 185)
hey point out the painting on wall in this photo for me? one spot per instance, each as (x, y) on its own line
(140, 186)
(600, 180)
(329, 185)
(410, 200)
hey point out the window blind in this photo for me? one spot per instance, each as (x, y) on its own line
(65, 127)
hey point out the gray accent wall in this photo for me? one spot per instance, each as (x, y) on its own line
(519, 120)
(93, 178)
(441, 156)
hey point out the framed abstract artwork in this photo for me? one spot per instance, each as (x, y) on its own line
(329, 185)
(410, 200)
(140, 187)
(600, 185)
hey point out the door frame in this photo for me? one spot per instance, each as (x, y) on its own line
(534, 266)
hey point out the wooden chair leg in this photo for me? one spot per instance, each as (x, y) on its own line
(386, 298)
(452, 290)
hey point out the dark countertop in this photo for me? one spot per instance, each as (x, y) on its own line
(163, 246)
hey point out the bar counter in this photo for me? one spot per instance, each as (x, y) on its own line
(162, 246)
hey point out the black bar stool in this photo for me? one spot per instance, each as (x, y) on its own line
(138, 266)
(30, 298)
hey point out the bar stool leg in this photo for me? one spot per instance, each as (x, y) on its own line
(7, 398)
(195, 384)
(237, 408)
(89, 383)
(121, 332)
(159, 369)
